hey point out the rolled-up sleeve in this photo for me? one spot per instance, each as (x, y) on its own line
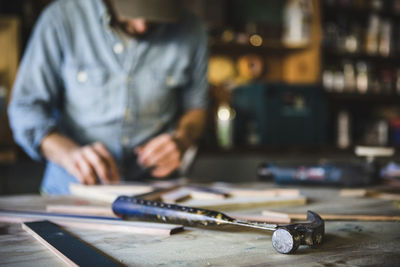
(36, 91)
(195, 94)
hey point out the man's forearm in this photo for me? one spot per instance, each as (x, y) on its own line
(56, 146)
(190, 128)
(87, 163)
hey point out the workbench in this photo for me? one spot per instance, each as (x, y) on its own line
(346, 243)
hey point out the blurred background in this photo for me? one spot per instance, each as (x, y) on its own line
(293, 79)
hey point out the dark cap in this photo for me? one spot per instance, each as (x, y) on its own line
(151, 10)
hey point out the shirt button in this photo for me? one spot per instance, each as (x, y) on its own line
(82, 76)
(170, 81)
(128, 115)
(118, 48)
(125, 140)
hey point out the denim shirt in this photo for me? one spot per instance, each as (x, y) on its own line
(79, 77)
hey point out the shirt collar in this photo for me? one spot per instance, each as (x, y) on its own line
(102, 11)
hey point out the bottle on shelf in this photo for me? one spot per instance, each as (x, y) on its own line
(385, 40)
(349, 76)
(371, 39)
(343, 129)
(362, 77)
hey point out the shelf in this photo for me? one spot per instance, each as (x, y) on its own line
(336, 56)
(356, 13)
(363, 98)
(267, 48)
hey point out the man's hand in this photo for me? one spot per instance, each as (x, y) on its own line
(162, 153)
(87, 164)
(91, 162)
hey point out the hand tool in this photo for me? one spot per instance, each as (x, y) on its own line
(348, 173)
(285, 239)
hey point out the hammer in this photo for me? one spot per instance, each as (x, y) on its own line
(285, 239)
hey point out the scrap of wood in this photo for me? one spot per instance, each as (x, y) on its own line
(207, 192)
(260, 218)
(271, 217)
(82, 210)
(343, 217)
(175, 196)
(388, 196)
(195, 192)
(205, 195)
(276, 217)
(359, 192)
(107, 193)
(245, 192)
(68, 248)
(246, 202)
(157, 194)
(362, 192)
(103, 224)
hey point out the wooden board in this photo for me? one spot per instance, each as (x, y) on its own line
(244, 198)
(272, 217)
(240, 192)
(336, 217)
(108, 193)
(69, 249)
(104, 211)
(175, 196)
(246, 202)
(103, 224)
(260, 218)
(363, 192)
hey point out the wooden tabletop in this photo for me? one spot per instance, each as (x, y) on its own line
(346, 243)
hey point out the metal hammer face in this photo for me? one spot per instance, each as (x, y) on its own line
(287, 238)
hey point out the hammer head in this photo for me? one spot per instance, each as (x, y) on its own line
(287, 238)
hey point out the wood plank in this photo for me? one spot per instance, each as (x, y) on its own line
(277, 217)
(157, 193)
(271, 217)
(269, 197)
(388, 196)
(354, 192)
(68, 248)
(362, 192)
(175, 196)
(246, 202)
(108, 193)
(207, 192)
(263, 193)
(82, 210)
(267, 217)
(345, 217)
(206, 195)
(91, 222)
(260, 218)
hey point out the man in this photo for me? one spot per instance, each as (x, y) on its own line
(110, 90)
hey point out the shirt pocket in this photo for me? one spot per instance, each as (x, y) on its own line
(90, 95)
(163, 91)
